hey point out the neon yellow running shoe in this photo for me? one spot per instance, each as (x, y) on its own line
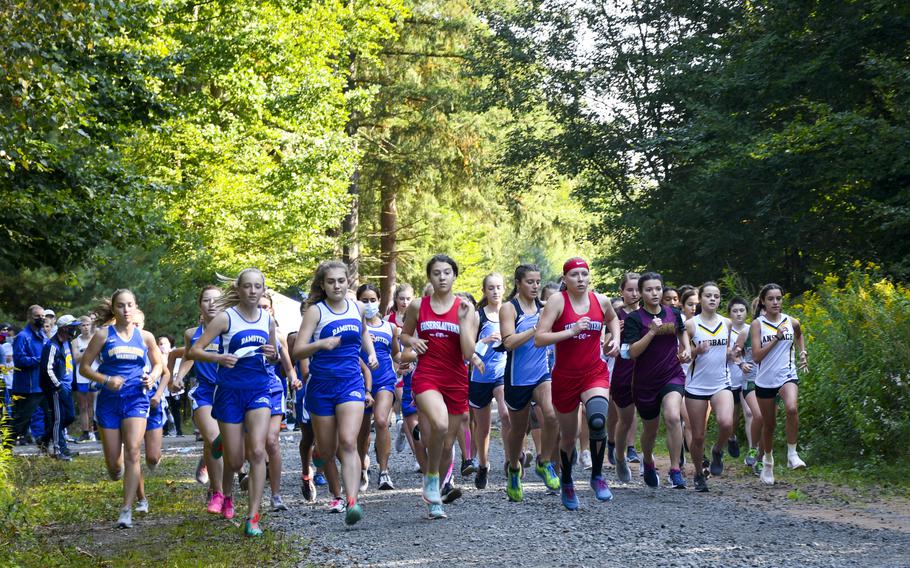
(513, 488)
(547, 474)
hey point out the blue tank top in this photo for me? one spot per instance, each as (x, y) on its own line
(245, 340)
(343, 362)
(276, 384)
(527, 364)
(124, 358)
(382, 344)
(494, 361)
(205, 371)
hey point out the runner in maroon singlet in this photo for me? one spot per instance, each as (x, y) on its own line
(441, 329)
(574, 321)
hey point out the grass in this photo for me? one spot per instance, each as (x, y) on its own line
(64, 515)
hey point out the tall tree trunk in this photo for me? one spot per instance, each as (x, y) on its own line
(350, 252)
(388, 241)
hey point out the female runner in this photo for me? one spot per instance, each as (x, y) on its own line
(278, 394)
(709, 381)
(385, 344)
(574, 321)
(774, 336)
(742, 358)
(658, 342)
(241, 401)
(527, 378)
(441, 329)
(332, 334)
(487, 384)
(157, 416)
(202, 393)
(85, 390)
(621, 383)
(737, 311)
(404, 294)
(123, 403)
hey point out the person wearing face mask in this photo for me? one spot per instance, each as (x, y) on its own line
(385, 343)
(57, 383)
(26, 388)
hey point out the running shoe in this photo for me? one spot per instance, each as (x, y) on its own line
(142, 506)
(480, 480)
(767, 471)
(513, 487)
(251, 527)
(385, 481)
(364, 480)
(278, 503)
(526, 460)
(611, 452)
(308, 488)
(632, 455)
(623, 472)
(202, 472)
(676, 479)
(227, 507)
(91, 437)
(705, 464)
(435, 511)
(586, 459)
(216, 503)
(717, 463)
(244, 482)
(651, 477)
(450, 493)
(751, 457)
(401, 439)
(468, 467)
(84, 437)
(701, 484)
(547, 473)
(336, 505)
(757, 468)
(601, 489)
(125, 521)
(794, 461)
(353, 514)
(68, 457)
(431, 489)
(569, 498)
(733, 447)
(320, 479)
(217, 447)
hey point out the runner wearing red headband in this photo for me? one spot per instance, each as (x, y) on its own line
(574, 321)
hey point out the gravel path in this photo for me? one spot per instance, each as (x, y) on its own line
(739, 523)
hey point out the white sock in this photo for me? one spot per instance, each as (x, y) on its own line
(768, 458)
(791, 449)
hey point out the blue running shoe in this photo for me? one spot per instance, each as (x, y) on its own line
(569, 498)
(435, 511)
(651, 477)
(632, 455)
(677, 480)
(601, 489)
(320, 480)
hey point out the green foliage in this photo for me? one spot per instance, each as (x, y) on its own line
(855, 401)
(55, 501)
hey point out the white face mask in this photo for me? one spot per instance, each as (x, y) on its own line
(370, 310)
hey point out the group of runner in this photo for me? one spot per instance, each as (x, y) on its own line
(558, 360)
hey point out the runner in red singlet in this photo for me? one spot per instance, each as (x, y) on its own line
(441, 329)
(574, 321)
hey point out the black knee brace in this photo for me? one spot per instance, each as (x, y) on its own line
(596, 409)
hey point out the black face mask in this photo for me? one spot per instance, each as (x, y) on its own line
(39, 322)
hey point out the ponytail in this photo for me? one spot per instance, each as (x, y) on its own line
(230, 294)
(104, 310)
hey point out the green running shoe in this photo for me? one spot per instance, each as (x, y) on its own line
(513, 488)
(547, 474)
(251, 527)
(353, 514)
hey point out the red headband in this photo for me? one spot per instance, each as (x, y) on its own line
(574, 263)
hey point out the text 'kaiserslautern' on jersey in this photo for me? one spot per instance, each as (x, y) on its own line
(245, 339)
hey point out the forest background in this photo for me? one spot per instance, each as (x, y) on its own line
(153, 144)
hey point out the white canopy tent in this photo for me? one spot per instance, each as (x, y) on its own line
(287, 313)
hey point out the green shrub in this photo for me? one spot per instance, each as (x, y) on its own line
(855, 399)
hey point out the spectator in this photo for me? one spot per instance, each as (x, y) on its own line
(174, 426)
(85, 389)
(6, 377)
(26, 391)
(50, 319)
(57, 384)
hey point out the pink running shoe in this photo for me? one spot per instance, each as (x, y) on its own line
(227, 508)
(216, 503)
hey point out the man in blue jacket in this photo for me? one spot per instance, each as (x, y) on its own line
(57, 374)
(26, 391)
